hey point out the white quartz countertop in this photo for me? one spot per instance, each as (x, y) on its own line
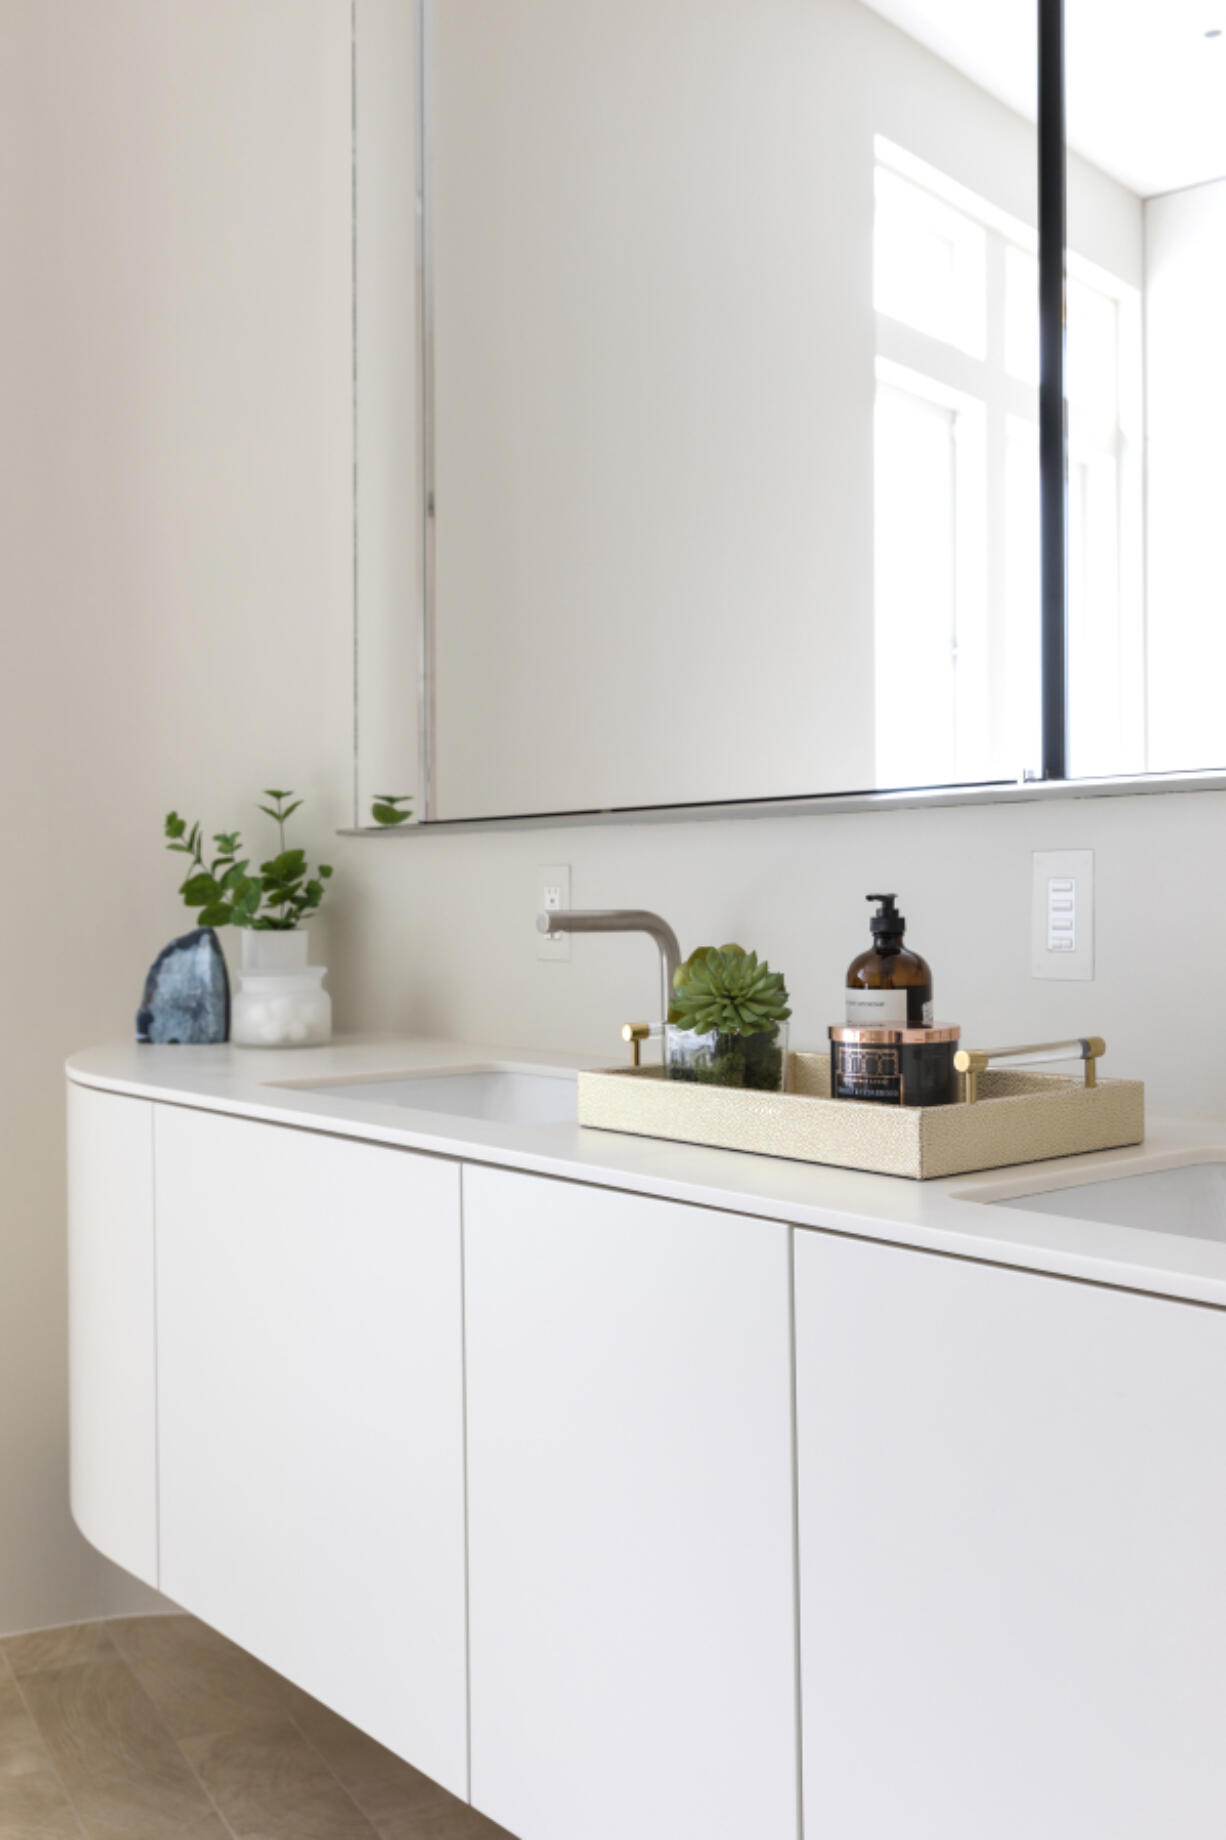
(942, 1216)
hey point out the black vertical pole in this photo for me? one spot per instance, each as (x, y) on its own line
(1053, 445)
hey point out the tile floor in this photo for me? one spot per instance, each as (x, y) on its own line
(157, 1728)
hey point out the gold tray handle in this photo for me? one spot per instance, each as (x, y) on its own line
(971, 1062)
(636, 1033)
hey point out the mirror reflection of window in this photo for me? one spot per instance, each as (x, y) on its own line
(956, 622)
(1147, 180)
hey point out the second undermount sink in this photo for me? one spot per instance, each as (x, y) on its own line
(1187, 1198)
(499, 1095)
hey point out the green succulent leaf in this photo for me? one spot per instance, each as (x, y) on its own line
(727, 989)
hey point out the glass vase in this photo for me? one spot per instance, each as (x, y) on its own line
(756, 1062)
(281, 1001)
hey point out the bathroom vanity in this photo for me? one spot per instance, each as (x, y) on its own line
(630, 1488)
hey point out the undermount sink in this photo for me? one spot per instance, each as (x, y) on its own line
(500, 1095)
(1188, 1198)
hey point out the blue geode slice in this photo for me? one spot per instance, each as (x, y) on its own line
(187, 992)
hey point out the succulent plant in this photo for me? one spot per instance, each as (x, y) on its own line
(729, 990)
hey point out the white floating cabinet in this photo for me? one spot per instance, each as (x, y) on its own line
(1012, 1512)
(632, 1632)
(111, 1333)
(311, 1417)
(623, 1517)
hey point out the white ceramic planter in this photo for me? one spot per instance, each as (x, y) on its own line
(280, 1002)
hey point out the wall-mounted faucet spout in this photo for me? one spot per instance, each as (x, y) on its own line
(621, 920)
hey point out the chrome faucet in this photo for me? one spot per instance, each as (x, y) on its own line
(620, 920)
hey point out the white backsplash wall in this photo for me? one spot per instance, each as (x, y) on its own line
(438, 934)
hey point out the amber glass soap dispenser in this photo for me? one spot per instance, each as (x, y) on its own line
(888, 985)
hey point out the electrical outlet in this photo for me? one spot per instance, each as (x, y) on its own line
(552, 896)
(1062, 914)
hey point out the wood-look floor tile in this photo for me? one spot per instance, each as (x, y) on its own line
(374, 1776)
(22, 1751)
(134, 1809)
(53, 1648)
(455, 1822)
(399, 1802)
(199, 1682)
(105, 1738)
(270, 1784)
(33, 1806)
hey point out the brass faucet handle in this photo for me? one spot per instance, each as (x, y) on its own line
(636, 1033)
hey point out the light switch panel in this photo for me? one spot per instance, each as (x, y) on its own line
(1062, 914)
(553, 894)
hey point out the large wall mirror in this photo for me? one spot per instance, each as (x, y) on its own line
(732, 398)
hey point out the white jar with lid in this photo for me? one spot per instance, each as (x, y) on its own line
(281, 1001)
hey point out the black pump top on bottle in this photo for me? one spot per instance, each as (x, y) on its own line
(887, 920)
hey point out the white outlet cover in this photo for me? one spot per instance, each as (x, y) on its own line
(1073, 873)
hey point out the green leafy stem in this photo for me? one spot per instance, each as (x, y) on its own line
(223, 890)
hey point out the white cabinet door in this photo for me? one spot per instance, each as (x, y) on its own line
(311, 1417)
(112, 1363)
(1012, 1553)
(630, 1515)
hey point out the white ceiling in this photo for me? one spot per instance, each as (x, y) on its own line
(1146, 88)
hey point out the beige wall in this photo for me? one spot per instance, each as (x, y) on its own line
(175, 563)
(175, 556)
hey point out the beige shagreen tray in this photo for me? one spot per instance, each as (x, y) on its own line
(1019, 1118)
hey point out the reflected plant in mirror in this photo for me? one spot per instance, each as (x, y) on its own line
(391, 808)
(727, 1020)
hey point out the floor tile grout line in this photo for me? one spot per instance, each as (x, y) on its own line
(52, 1765)
(335, 1775)
(206, 1791)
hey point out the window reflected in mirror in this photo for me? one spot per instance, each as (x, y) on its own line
(1146, 385)
(955, 481)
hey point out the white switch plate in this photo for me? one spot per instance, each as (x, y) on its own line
(1062, 915)
(552, 895)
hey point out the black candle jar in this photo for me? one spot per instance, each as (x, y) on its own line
(895, 1066)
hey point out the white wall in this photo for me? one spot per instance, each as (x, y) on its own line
(175, 557)
(175, 566)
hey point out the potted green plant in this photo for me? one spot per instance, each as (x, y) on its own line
(281, 1001)
(727, 1020)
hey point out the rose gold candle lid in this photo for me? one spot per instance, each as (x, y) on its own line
(879, 1037)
